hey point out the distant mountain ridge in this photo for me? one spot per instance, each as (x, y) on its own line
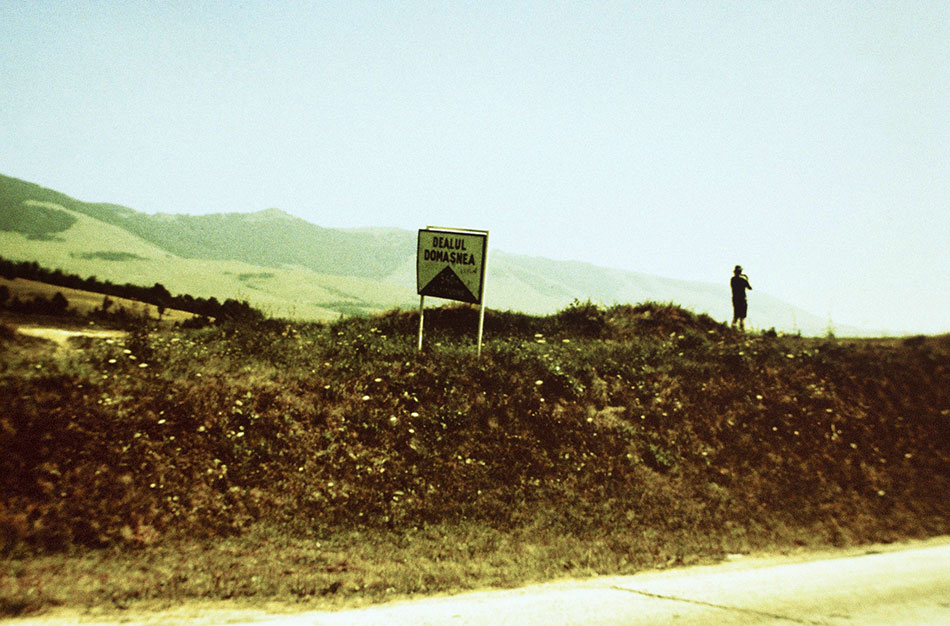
(293, 268)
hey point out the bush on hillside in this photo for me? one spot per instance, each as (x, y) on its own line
(7, 333)
(56, 305)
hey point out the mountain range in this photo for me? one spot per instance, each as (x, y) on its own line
(289, 267)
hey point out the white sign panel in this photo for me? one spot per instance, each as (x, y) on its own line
(451, 264)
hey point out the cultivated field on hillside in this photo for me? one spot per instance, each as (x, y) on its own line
(326, 463)
(85, 302)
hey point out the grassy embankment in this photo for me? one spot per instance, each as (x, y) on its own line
(330, 463)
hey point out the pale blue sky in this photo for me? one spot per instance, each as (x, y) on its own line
(808, 141)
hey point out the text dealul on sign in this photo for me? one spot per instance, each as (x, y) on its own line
(442, 252)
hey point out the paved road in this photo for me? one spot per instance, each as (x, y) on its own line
(909, 586)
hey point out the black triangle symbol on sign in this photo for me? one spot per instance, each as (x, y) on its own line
(447, 284)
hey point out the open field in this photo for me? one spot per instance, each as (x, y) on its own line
(326, 464)
(85, 302)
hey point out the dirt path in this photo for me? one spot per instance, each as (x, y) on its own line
(61, 336)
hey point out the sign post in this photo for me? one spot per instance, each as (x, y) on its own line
(450, 263)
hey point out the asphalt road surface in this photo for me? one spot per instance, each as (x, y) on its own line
(909, 586)
(891, 585)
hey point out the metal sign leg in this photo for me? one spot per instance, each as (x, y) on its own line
(422, 300)
(481, 328)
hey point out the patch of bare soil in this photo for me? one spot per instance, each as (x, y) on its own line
(61, 336)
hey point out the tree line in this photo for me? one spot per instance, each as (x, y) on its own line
(157, 294)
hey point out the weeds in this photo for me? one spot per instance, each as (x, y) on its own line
(591, 441)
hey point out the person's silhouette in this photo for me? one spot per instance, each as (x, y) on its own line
(739, 283)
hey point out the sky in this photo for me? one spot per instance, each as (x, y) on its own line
(807, 141)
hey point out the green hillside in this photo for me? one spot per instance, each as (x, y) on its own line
(272, 239)
(292, 268)
(15, 193)
(59, 232)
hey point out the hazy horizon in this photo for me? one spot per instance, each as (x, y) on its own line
(807, 141)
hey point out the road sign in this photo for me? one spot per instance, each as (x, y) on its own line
(451, 264)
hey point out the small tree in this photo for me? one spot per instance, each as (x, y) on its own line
(159, 296)
(59, 303)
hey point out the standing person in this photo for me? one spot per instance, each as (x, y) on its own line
(739, 283)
